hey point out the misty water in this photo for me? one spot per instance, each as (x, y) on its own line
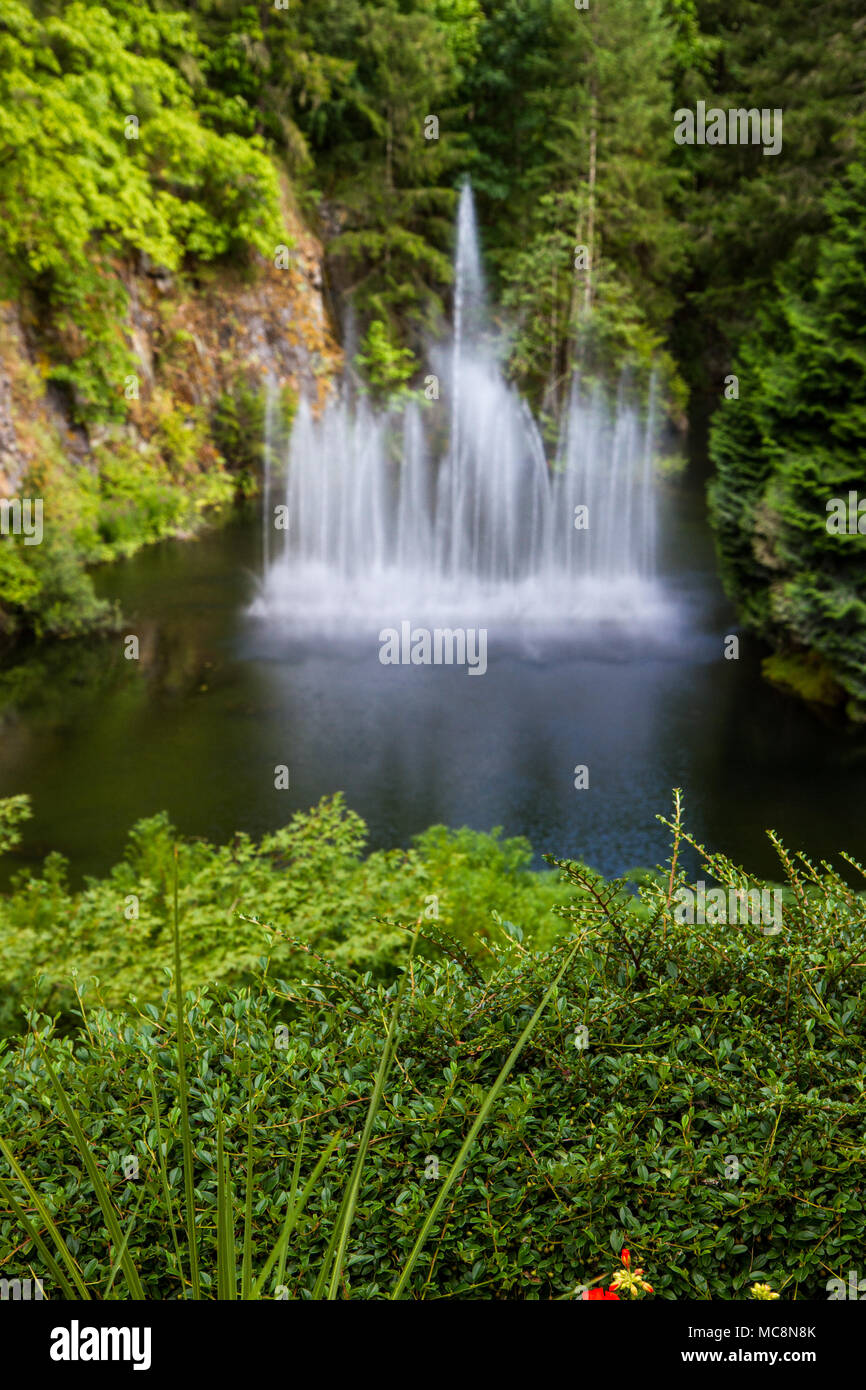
(454, 508)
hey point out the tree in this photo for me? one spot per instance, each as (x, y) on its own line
(388, 368)
(385, 167)
(790, 448)
(103, 156)
(743, 212)
(598, 251)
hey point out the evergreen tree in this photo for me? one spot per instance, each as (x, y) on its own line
(744, 211)
(789, 446)
(592, 273)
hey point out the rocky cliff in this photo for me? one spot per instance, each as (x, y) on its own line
(192, 342)
(182, 430)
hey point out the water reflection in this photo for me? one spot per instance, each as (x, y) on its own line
(197, 726)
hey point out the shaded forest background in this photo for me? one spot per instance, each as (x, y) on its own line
(189, 144)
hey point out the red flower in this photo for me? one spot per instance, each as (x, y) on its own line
(607, 1294)
(626, 1258)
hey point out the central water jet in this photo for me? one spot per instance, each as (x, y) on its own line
(484, 529)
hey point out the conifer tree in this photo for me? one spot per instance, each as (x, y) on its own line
(789, 459)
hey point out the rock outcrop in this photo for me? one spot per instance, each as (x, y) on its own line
(191, 339)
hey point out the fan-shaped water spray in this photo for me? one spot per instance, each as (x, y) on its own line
(450, 509)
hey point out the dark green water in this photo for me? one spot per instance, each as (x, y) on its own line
(217, 700)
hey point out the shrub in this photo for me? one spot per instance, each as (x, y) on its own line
(702, 1043)
(309, 879)
(239, 426)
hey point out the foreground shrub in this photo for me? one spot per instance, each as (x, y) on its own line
(311, 879)
(692, 1092)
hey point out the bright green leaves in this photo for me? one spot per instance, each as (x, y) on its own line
(14, 810)
(387, 367)
(104, 155)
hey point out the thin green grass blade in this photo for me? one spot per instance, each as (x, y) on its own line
(183, 1096)
(247, 1259)
(226, 1264)
(102, 1194)
(69, 1290)
(50, 1263)
(163, 1171)
(293, 1196)
(119, 1256)
(220, 1253)
(486, 1107)
(292, 1216)
(347, 1211)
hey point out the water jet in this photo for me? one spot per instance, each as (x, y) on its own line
(482, 530)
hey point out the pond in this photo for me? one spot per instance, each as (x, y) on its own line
(220, 697)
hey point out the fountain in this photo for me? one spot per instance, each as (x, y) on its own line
(267, 470)
(450, 510)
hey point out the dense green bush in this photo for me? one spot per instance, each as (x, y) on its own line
(702, 1044)
(310, 879)
(387, 368)
(47, 589)
(133, 498)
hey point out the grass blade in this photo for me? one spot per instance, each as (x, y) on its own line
(119, 1256)
(48, 1221)
(102, 1194)
(163, 1172)
(292, 1216)
(293, 1197)
(183, 1096)
(225, 1232)
(347, 1211)
(247, 1259)
(486, 1107)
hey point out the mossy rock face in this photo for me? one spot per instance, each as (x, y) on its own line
(805, 675)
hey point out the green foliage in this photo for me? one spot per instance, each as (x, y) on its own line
(582, 160)
(558, 331)
(701, 1043)
(309, 882)
(341, 91)
(82, 185)
(743, 212)
(239, 425)
(460, 23)
(133, 498)
(790, 445)
(387, 367)
(46, 590)
(388, 178)
(14, 810)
